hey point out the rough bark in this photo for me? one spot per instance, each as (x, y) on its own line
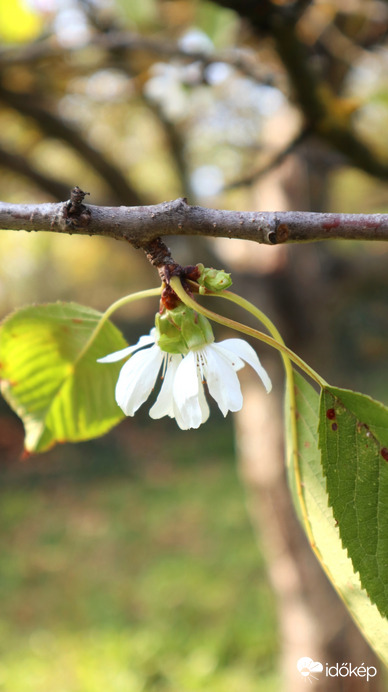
(141, 224)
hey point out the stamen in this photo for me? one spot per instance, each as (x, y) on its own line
(201, 361)
(165, 366)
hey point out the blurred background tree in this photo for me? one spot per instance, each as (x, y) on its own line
(129, 562)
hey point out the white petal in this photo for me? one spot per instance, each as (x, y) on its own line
(186, 422)
(205, 411)
(137, 379)
(222, 381)
(236, 362)
(179, 420)
(190, 407)
(119, 355)
(163, 405)
(186, 381)
(241, 349)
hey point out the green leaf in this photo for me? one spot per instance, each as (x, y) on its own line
(311, 500)
(354, 443)
(50, 375)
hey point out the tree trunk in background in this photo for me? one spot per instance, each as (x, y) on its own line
(291, 284)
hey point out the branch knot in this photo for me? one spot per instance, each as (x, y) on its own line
(75, 213)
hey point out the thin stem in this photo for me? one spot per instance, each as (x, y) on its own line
(242, 302)
(256, 312)
(293, 408)
(149, 293)
(270, 341)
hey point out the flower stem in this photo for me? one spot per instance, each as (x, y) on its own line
(246, 305)
(256, 312)
(149, 293)
(271, 341)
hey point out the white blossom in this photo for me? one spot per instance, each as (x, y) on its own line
(182, 394)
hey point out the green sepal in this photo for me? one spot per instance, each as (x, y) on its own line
(168, 336)
(182, 329)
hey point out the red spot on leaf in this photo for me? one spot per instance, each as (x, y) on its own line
(334, 426)
(384, 453)
(330, 413)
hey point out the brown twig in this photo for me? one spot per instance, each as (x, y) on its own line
(141, 225)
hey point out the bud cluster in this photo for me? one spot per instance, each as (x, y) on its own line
(212, 279)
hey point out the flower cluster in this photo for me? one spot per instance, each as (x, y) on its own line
(182, 347)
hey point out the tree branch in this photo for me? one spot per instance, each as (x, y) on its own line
(271, 165)
(130, 42)
(323, 111)
(19, 164)
(141, 225)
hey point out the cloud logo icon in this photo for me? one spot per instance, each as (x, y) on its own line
(307, 667)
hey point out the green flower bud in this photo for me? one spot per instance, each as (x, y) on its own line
(182, 329)
(213, 279)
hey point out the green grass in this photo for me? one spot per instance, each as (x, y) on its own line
(145, 581)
